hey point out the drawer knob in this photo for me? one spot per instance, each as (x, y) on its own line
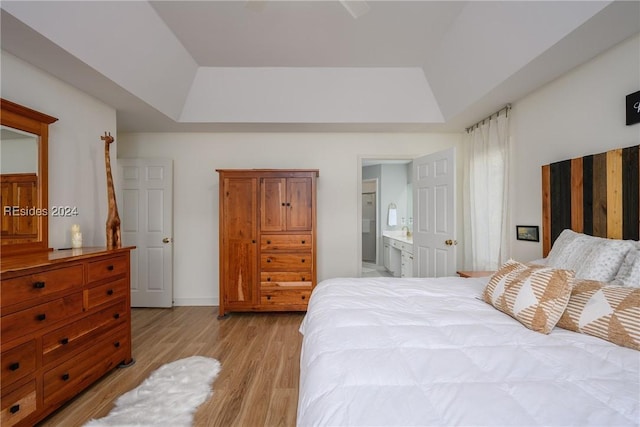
(268, 259)
(304, 241)
(64, 341)
(110, 292)
(65, 377)
(14, 366)
(268, 279)
(303, 296)
(116, 316)
(268, 242)
(14, 409)
(268, 297)
(38, 285)
(302, 259)
(110, 267)
(41, 317)
(303, 279)
(116, 344)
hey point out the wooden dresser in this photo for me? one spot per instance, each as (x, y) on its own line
(267, 239)
(65, 323)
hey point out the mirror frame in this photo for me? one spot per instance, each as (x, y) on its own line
(25, 119)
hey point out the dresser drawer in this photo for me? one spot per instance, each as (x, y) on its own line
(285, 296)
(68, 339)
(294, 278)
(40, 316)
(286, 262)
(106, 293)
(67, 379)
(34, 286)
(18, 362)
(107, 268)
(274, 242)
(18, 404)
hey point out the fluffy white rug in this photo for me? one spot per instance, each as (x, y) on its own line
(169, 397)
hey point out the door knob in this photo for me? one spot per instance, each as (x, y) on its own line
(167, 240)
(450, 242)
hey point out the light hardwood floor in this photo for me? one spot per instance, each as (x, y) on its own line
(259, 353)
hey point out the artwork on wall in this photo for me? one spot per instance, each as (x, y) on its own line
(633, 108)
(528, 232)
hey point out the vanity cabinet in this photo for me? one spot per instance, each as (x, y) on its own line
(398, 257)
(267, 239)
(65, 323)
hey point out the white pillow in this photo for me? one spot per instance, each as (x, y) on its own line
(629, 273)
(592, 258)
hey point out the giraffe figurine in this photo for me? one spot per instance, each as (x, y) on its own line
(113, 219)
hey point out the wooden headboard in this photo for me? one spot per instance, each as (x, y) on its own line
(596, 195)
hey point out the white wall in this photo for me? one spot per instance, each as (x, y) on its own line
(196, 156)
(76, 154)
(580, 113)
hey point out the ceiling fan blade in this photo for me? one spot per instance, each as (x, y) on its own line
(356, 8)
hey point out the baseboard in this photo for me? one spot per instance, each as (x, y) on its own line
(180, 302)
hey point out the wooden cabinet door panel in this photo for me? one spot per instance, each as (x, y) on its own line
(299, 204)
(273, 204)
(239, 237)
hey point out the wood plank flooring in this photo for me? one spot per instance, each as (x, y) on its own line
(259, 353)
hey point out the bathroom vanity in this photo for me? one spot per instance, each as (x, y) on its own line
(398, 253)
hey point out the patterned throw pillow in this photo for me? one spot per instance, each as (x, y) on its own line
(534, 295)
(604, 311)
(592, 258)
(629, 273)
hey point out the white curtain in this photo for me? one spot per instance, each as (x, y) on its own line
(486, 194)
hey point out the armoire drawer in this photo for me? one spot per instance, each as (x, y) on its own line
(40, 316)
(32, 286)
(292, 278)
(286, 262)
(109, 292)
(285, 296)
(290, 242)
(68, 339)
(18, 362)
(18, 404)
(107, 268)
(70, 377)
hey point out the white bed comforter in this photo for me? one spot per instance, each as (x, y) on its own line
(429, 352)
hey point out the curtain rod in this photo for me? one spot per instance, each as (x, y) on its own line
(506, 109)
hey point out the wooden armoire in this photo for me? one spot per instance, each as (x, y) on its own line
(267, 239)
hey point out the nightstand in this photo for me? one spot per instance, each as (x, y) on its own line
(467, 274)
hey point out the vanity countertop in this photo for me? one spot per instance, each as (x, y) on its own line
(398, 235)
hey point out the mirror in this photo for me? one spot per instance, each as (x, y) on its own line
(24, 178)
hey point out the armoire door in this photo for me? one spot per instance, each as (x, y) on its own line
(273, 204)
(240, 234)
(299, 204)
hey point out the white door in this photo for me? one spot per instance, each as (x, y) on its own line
(434, 213)
(147, 223)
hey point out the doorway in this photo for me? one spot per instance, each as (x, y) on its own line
(374, 195)
(370, 221)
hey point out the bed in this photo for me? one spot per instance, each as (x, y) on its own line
(469, 351)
